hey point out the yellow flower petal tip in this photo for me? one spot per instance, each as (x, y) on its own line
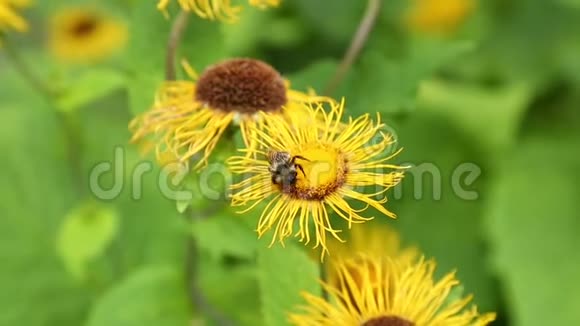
(216, 10)
(85, 35)
(379, 291)
(314, 164)
(189, 118)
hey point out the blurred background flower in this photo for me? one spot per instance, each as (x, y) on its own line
(85, 34)
(439, 16)
(10, 19)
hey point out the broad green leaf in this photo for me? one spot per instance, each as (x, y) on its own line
(151, 231)
(283, 273)
(345, 17)
(439, 204)
(383, 83)
(84, 235)
(533, 221)
(149, 296)
(232, 289)
(37, 191)
(146, 54)
(225, 234)
(477, 110)
(92, 85)
(315, 76)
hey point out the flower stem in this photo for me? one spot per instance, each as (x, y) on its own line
(175, 35)
(197, 299)
(357, 43)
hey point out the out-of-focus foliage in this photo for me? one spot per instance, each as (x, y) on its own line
(487, 115)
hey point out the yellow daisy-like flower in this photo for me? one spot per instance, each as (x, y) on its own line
(311, 170)
(85, 34)
(189, 117)
(439, 16)
(374, 239)
(9, 17)
(216, 9)
(385, 292)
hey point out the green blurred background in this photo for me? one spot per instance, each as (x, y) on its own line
(500, 91)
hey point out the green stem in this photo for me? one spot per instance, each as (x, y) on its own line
(356, 45)
(197, 298)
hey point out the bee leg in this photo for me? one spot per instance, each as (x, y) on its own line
(300, 168)
(300, 157)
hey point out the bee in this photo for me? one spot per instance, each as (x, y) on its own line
(283, 167)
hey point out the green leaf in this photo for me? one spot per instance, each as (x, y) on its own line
(146, 54)
(533, 222)
(38, 191)
(314, 76)
(283, 273)
(345, 17)
(439, 209)
(225, 234)
(475, 109)
(90, 86)
(84, 235)
(149, 296)
(381, 83)
(225, 284)
(151, 230)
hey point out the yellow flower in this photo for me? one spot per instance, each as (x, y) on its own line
(377, 240)
(374, 239)
(216, 9)
(439, 16)
(9, 18)
(85, 34)
(332, 160)
(383, 291)
(189, 117)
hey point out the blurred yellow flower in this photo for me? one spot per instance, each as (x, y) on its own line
(216, 9)
(9, 17)
(332, 160)
(189, 117)
(373, 239)
(85, 34)
(376, 291)
(439, 16)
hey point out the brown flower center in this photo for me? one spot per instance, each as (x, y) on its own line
(241, 85)
(84, 26)
(388, 321)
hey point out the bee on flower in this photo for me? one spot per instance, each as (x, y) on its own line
(216, 10)
(189, 117)
(313, 171)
